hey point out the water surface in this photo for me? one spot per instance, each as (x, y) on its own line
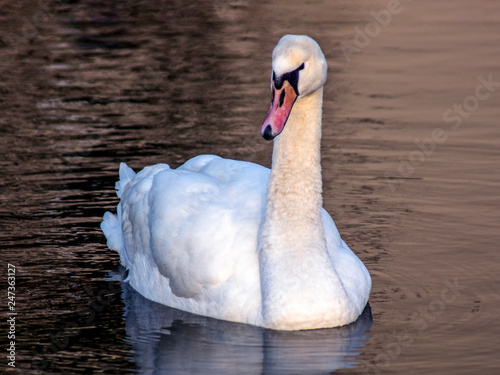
(411, 169)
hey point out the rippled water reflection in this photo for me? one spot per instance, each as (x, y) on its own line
(85, 85)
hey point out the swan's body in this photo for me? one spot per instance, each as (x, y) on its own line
(236, 241)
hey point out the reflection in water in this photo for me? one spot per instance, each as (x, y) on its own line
(167, 340)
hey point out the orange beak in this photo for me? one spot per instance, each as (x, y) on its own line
(277, 115)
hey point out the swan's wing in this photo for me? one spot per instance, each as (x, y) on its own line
(204, 216)
(196, 220)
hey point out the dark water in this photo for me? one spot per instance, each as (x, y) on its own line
(411, 165)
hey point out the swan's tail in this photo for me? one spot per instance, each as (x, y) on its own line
(111, 224)
(112, 229)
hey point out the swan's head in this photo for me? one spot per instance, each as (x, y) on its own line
(299, 68)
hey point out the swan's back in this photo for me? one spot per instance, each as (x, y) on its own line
(196, 227)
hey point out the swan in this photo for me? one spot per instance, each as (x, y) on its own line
(235, 241)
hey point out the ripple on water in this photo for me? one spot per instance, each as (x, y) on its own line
(101, 83)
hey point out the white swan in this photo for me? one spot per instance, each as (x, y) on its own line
(211, 239)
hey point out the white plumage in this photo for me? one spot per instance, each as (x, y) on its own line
(236, 241)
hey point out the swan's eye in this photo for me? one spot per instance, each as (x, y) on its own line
(292, 78)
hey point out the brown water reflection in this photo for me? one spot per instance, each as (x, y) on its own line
(411, 179)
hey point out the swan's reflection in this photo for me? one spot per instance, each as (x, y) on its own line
(166, 340)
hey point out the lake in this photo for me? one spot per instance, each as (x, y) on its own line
(411, 176)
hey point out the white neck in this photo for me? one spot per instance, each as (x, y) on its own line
(298, 280)
(294, 190)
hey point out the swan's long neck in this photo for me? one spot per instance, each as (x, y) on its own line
(299, 284)
(294, 199)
